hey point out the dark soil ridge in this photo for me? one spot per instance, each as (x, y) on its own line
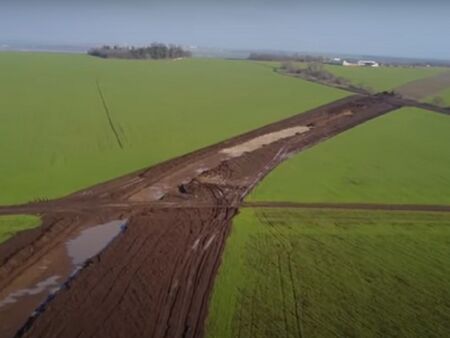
(155, 279)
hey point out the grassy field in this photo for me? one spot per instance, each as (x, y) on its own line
(55, 136)
(10, 225)
(401, 157)
(299, 273)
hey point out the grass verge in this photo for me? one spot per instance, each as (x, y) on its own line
(10, 225)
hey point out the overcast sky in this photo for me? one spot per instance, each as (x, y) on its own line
(383, 27)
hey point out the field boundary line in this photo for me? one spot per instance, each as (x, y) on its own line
(348, 206)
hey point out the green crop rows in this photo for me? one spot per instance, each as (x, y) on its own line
(299, 273)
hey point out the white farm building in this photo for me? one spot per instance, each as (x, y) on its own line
(361, 63)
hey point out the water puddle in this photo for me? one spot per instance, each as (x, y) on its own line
(47, 284)
(91, 241)
(44, 278)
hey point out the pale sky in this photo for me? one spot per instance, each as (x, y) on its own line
(385, 27)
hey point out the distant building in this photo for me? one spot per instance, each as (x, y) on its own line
(368, 63)
(361, 63)
(349, 64)
(336, 61)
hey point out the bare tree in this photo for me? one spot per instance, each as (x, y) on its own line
(288, 66)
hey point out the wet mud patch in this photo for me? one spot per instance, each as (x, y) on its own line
(92, 240)
(45, 277)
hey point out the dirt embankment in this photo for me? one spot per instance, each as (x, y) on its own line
(155, 279)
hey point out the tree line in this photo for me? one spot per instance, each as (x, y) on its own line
(316, 72)
(154, 51)
(286, 57)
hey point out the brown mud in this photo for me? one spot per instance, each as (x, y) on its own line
(155, 278)
(29, 279)
(426, 87)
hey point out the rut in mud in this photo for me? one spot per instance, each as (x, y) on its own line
(155, 278)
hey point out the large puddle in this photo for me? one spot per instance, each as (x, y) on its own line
(92, 240)
(44, 278)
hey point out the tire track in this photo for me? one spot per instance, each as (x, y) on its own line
(287, 250)
(298, 314)
(108, 114)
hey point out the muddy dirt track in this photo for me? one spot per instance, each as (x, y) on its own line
(155, 278)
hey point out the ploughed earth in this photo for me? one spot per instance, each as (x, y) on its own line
(423, 88)
(137, 256)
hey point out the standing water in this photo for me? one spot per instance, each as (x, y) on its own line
(20, 299)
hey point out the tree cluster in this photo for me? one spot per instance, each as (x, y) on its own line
(312, 71)
(154, 51)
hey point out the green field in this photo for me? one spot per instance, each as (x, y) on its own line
(10, 225)
(55, 136)
(299, 273)
(401, 157)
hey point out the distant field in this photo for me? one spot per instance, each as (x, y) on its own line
(56, 136)
(402, 157)
(299, 273)
(10, 225)
(444, 95)
(376, 79)
(382, 78)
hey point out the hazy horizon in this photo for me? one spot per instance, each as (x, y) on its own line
(418, 29)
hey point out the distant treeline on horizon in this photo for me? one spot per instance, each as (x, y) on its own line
(285, 57)
(154, 51)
